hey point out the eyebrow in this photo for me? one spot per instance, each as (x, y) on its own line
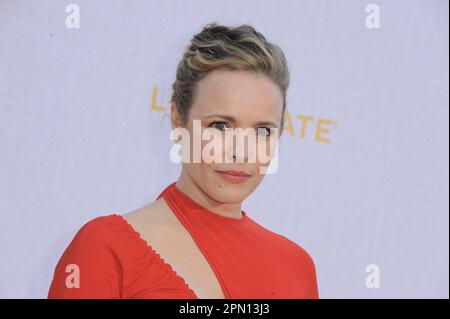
(234, 121)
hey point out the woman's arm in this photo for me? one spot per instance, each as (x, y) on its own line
(88, 267)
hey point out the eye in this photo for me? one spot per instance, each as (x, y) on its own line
(263, 131)
(218, 125)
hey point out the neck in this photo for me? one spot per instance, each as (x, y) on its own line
(187, 185)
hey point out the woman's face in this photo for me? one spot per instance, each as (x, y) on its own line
(226, 100)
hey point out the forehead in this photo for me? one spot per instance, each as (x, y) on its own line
(242, 94)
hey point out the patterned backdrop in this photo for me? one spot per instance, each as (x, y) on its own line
(363, 176)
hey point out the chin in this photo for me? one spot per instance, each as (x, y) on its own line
(230, 198)
(229, 192)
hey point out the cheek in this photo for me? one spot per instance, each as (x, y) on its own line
(213, 149)
(266, 150)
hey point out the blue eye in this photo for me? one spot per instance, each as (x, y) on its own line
(263, 131)
(219, 126)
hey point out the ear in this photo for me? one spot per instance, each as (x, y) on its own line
(175, 117)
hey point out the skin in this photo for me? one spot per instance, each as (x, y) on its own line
(232, 93)
(237, 94)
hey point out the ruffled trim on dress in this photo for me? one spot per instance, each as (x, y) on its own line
(144, 271)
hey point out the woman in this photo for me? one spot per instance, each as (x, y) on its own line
(194, 241)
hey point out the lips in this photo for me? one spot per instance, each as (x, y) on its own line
(234, 173)
(234, 177)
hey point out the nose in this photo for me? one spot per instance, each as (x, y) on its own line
(243, 146)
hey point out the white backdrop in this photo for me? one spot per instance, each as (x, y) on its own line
(84, 132)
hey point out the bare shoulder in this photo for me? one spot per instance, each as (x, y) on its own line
(152, 218)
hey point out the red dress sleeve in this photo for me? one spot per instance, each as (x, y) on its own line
(305, 279)
(308, 278)
(88, 267)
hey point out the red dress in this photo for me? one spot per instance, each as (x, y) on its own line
(249, 260)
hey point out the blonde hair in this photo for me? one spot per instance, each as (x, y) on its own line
(230, 48)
